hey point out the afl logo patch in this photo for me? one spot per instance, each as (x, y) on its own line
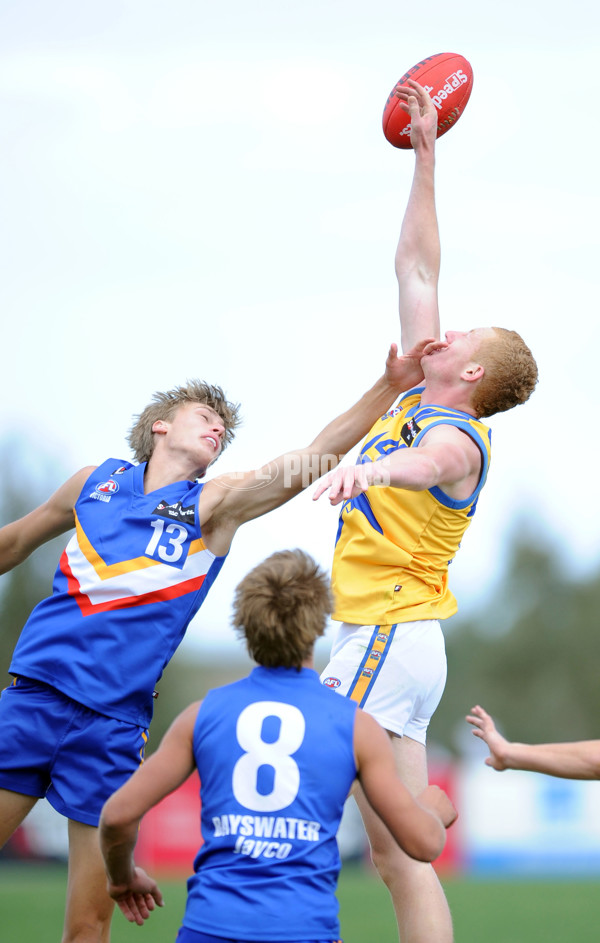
(105, 490)
(332, 682)
(107, 487)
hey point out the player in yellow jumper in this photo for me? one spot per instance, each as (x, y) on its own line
(405, 507)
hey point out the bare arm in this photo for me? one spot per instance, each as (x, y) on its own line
(134, 891)
(20, 538)
(230, 500)
(577, 760)
(418, 251)
(448, 459)
(418, 825)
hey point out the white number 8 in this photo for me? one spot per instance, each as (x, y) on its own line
(286, 780)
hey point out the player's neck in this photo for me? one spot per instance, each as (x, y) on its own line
(450, 397)
(161, 472)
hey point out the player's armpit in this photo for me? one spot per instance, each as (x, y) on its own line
(457, 459)
(230, 500)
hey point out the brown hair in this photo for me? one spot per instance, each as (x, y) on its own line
(510, 373)
(281, 608)
(165, 405)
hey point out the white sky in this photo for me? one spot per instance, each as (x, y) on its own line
(201, 189)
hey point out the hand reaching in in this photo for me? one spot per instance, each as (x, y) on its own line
(485, 729)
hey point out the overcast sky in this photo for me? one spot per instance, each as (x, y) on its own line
(192, 189)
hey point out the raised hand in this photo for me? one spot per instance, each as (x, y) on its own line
(423, 114)
(485, 729)
(404, 371)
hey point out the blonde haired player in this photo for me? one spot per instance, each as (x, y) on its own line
(150, 539)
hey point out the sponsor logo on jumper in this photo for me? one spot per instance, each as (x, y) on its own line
(409, 431)
(265, 826)
(265, 836)
(259, 835)
(176, 512)
(121, 470)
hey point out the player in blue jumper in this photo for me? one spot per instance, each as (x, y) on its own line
(277, 754)
(149, 540)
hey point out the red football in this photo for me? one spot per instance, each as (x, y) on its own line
(448, 78)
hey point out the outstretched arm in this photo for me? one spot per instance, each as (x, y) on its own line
(448, 459)
(20, 538)
(230, 500)
(134, 891)
(418, 825)
(576, 760)
(418, 252)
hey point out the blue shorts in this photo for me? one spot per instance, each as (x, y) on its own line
(55, 747)
(193, 936)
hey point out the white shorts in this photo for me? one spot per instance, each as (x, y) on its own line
(397, 673)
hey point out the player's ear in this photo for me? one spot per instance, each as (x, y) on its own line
(160, 425)
(473, 372)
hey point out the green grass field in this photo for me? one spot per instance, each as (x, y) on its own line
(32, 897)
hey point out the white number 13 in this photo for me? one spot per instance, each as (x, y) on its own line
(172, 552)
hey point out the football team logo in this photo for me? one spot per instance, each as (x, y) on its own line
(332, 682)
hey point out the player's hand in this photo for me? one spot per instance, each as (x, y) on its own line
(404, 371)
(423, 114)
(485, 729)
(137, 899)
(348, 481)
(436, 800)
